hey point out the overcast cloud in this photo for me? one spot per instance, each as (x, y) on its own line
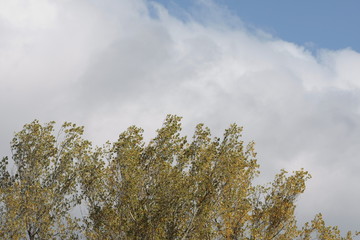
(109, 64)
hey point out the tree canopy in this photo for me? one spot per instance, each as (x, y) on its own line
(171, 187)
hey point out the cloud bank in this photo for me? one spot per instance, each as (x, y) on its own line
(111, 64)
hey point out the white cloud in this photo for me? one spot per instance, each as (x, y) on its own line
(28, 13)
(110, 64)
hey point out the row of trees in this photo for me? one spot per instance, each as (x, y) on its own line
(169, 188)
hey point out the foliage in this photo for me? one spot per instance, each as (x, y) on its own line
(170, 188)
(36, 199)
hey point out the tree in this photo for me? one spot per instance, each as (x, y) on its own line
(35, 201)
(168, 188)
(175, 189)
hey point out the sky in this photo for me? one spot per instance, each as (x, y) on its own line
(328, 24)
(290, 79)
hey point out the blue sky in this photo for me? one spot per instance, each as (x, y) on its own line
(315, 24)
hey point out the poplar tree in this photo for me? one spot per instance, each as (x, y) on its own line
(171, 187)
(40, 188)
(175, 188)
